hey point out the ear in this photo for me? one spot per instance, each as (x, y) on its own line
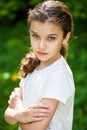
(65, 40)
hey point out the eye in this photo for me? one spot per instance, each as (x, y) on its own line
(35, 36)
(51, 38)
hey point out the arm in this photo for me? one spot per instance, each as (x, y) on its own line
(9, 115)
(16, 113)
(33, 113)
(15, 104)
(43, 124)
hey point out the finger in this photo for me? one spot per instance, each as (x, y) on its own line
(12, 94)
(41, 110)
(8, 101)
(40, 105)
(37, 115)
(11, 97)
(14, 97)
(17, 90)
(15, 93)
(36, 119)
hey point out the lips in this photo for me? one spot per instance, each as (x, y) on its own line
(42, 53)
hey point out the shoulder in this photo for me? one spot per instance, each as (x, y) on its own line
(59, 86)
(24, 80)
(61, 66)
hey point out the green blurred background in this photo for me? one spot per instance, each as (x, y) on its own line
(14, 43)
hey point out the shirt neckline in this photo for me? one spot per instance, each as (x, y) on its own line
(50, 66)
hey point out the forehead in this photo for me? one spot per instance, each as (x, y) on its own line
(45, 27)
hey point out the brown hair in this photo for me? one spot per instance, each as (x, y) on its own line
(52, 11)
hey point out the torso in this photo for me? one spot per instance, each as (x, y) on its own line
(34, 87)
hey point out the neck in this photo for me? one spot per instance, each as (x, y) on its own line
(44, 64)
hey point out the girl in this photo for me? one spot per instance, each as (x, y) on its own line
(46, 76)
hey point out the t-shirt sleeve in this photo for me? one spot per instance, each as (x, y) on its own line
(21, 83)
(59, 87)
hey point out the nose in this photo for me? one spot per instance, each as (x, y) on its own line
(42, 45)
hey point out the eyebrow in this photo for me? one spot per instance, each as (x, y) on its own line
(33, 31)
(48, 34)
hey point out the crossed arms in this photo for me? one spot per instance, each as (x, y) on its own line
(34, 117)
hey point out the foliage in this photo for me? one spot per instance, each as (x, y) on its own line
(14, 43)
(78, 8)
(10, 9)
(78, 64)
(7, 83)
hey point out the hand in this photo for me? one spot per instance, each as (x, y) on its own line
(33, 113)
(15, 100)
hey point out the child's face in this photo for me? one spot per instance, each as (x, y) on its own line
(46, 40)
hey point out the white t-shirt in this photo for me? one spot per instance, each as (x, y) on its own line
(56, 82)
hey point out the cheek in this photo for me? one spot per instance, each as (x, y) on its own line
(32, 45)
(56, 46)
(56, 49)
(32, 42)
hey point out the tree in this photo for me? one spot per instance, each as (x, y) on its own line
(9, 9)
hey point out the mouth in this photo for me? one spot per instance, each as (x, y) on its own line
(42, 53)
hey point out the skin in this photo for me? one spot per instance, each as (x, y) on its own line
(17, 113)
(46, 41)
